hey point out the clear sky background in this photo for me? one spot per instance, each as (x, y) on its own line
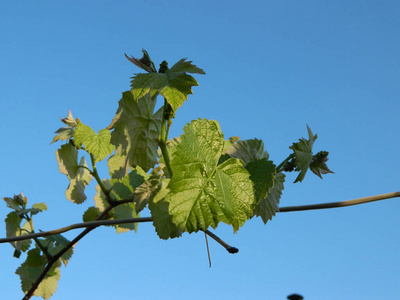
(272, 67)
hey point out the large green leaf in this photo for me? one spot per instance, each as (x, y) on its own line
(268, 206)
(30, 270)
(303, 154)
(203, 193)
(175, 84)
(135, 134)
(96, 144)
(77, 173)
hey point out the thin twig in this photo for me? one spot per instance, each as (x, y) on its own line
(208, 249)
(75, 226)
(340, 203)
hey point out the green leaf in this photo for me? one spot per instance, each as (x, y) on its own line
(12, 203)
(96, 144)
(174, 85)
(69, 120)
(303, 154)
(40, 206)
(122, 189)
(56, 243)
(318, 164)
(125, 211)
(203, 193)
(135, 134)
(30, 270)
(125, 187)
(144, 63)
(248, 150)
(91, 214)
(78, 174)
(143, 192)
(162, 220)
(14, 229)
(267, 207)
(262, 173)
(64, 133)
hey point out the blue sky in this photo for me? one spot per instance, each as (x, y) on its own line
(272, 67)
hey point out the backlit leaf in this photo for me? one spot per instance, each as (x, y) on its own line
(174, 85)
(14, 229)
(78, 174)
(162, 220)
(303, 154)
(135, 134)
(30, 270)
(268, 206)
(203, 193)
(248, 150)
(96, 144)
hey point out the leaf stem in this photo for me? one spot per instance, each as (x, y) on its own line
(95, 174)
(32, 231)
(228, 247)
(164, 138)
(282, 164)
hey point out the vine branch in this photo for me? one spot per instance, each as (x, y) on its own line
(56, 257)
(98, 223)
(340, 203)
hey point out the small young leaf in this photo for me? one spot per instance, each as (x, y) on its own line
(135, 134)
(144, 63)
(12, 203)
(64, 133)
(69, 120)
(303, 154)
(41, 206)
(175, 84)
(78, 174)
(96, 144)
(318, 164)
